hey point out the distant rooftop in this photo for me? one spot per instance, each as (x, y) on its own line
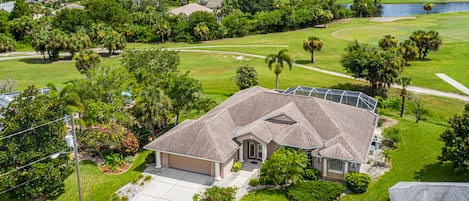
(189, 9)
(8, 6)
(429, 191)
(353, 98)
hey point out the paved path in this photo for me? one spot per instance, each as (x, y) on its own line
(414, 89)
(453, 83)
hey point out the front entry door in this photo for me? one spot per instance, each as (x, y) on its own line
(255, 151)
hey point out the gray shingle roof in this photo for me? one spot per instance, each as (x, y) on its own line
(190, 8)
(340, 131)
(429, 191)
(8, 6)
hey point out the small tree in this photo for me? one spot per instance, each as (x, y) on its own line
(20, 9)
(77, 42)
(6, 43)
(426, 41)
(278, 60)
(404, 81)
(456, 141)
(246, 76)
(86, 60)
(312, 44)
(427, 6)
(112, 41)
(388, 42)
(201, 31)
(285, 166)
(56, 42)
(408, 50)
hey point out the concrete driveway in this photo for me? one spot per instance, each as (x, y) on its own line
(173, 185)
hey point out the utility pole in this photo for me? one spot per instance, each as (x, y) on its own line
(77, 160)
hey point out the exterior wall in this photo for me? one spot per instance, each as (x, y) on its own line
(356, 169)
(225, 168)
(317, 165)
(271, 147)
(334, 176)
(245, 149)
(190, 164)
(164, 160)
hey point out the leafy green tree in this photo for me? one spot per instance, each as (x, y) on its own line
(57, 41)
(201, 31)
(236, 24)
(312, 44)
(39, 40)
(72, 20)
(427, 6)
(6, 43)
(107, 11)
(152, 108)
(163, 29)
(20, 27)
(379, 67)
(77, 42)
(201, 18)
(456, 139)
(271, 21)
(183, 91)
(404, 81)
(363, 8)
(276, 62)
(44, 177)
(426, 41)
(388, 42)
(20, 9)
(113, 41)
(86, 60)
(246, 76)
(408, 50)
(252, 7)
(285, 166)
(321, 16)
(4, 28)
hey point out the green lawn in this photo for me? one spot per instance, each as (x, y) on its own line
(450, 59)
(266, 195)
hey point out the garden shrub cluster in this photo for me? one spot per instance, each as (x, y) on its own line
(236, 166)
(254, 182)
(312, 174)
(315, 191)
(217, 193)
(357, 182)
(391, 137)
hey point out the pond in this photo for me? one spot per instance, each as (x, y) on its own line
(393, 10)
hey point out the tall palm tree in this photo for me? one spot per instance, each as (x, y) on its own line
(276, 62)
(404, 81)
(428, 6)
(388, 42)
(312, 44)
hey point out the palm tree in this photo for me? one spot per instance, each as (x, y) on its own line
(86, 60)
(278, 59)
(408, 50)
(388, 42)
(404, 81)
(312, 44)
(201, 31)
(428, 6)
(152, 108)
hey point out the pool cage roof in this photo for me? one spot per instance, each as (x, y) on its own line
(6, 98)
(353, 98)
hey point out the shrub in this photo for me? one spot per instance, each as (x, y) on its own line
(129, 144)
(391, 137)
(357, 182)
(217, 193)
(125, 198)
(253, 182)
(316, 191)
(148, 178)
(236, 166)
(312, 174)
(285, 166)
(6, 43)
(114, 161)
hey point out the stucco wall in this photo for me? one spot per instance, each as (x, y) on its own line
(225, 168)
(271, 147)
(164, 160)
(316, 164)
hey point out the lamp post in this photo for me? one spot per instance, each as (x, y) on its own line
(71, 140)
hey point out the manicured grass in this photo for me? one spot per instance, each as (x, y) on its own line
(450, 59)
(98, 186)
(415, 159)
(269, 194)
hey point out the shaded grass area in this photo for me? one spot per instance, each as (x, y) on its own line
(269, 194)
(99, 186)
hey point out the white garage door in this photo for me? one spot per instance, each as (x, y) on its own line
(189, 164)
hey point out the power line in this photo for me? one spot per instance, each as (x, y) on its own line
(32, 163)
(32, 128)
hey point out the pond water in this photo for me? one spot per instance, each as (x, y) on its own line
(393, 10)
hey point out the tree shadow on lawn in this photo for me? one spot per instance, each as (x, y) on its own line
(439, 172)
(303, 62)
(47, 61)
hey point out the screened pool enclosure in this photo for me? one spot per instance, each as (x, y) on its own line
(353, 98)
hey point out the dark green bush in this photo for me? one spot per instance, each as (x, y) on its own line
(217, 193)
(357, 182)
(253, 182)
(391, 137)
(312, 174)
(316, 191)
